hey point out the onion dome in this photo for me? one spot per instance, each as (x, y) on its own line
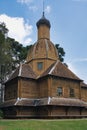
(43, 21)
(43, 49)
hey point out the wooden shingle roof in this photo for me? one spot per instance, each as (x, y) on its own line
(54, 101)
(68, 102)
(8, 103)
(83, 85)
(24, 70)
(60, 70)
(57, 69)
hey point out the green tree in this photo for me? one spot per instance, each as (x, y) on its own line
(18, 52)
(61, 52)
(5, 58)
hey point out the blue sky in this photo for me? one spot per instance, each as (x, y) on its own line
(68, 26)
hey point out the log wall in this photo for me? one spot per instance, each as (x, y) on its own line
(84, 94)
(66, 85)
(11, 90)
(46, 64)
(28, 89)
(43, 88)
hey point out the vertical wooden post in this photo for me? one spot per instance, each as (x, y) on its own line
(80, 91)
(19, 88)
(49, 86)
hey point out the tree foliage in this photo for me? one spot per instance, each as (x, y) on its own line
(5, 58)
(61, 52)
(18, 52)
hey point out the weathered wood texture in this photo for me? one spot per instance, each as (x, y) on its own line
(28, 111)
(43, 88)
(84, 94)
(46, 64)
(66, 85)
(45, 111)
(42, 111)
(11, 90)
(43, 32)
(57, 111)
(73, 111)
(28, 89)
(8, 112)
(84, 111)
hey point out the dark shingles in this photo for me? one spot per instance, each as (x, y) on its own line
(8, 103)
(45, 101)
(27, 72)
(68, 102)
(60, 70)
(24, 70)
(83, 85)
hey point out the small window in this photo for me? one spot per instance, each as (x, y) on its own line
(72, 92)
(40, 65)
(59, 91)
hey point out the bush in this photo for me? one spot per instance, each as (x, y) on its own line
(1, 114)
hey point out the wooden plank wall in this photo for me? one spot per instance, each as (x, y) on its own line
(66, 85)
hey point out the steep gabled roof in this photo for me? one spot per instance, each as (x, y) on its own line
(60, 70)
(24, 70)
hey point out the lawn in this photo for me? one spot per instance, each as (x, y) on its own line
(43, 124)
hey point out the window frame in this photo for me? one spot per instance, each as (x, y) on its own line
(71, 92)
(40, 65)
(60, 91)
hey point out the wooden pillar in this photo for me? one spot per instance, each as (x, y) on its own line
(19, 88)
(81, 111)
(80, 91)
(49, 110)
(49, 87)
(66, 110)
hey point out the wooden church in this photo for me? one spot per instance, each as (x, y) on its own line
(43, 87)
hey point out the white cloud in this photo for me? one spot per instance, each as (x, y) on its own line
(30, 6)
(24, 1)
(27, 41)
(18, 28)
(33, 8)
(48, 9)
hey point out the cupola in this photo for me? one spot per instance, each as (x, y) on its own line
(43, 26)
(43, 21)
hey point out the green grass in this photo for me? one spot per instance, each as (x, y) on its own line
(43, 124)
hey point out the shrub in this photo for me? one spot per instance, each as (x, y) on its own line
(1, 114)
